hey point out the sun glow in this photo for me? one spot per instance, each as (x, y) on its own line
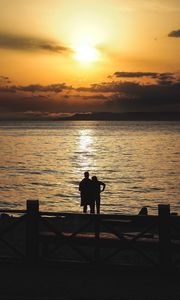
(86, 53)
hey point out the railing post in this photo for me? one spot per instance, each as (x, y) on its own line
(32, 230)
(97, 237)
(164, 236)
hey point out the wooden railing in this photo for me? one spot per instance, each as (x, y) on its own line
(35, 236)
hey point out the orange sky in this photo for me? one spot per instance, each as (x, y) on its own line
(84, 42)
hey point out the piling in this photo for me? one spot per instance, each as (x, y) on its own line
(32, 230)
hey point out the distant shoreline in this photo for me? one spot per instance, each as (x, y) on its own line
(131, 116)
(107, 116)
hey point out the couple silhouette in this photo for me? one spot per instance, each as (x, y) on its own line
(90, 190)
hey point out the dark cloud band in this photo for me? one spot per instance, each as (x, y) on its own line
(36, 88)
(135, 74)
(142, 74)
(55, 88)
(174, 33)
(25, 43)
(118, 96)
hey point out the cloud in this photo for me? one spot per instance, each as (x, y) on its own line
(4, 80)
(135, 74)
(7, 89)
(18, 104)
(117, 96)
(174, 33)
(95, 97)
(104, 87)
(56, 88)
(152, 97)
(166, 75)
(36, 88)
(166, 78)
(136, 96)
(27, 43)
(86, 97)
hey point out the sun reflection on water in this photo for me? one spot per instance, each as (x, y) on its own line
(86, 149)
(85, 140)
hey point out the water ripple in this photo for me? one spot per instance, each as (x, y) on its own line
(138, 161)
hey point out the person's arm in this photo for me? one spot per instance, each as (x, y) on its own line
(103, 186)
(80, 186)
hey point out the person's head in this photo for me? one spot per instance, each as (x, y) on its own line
(86, 175)
(94, 178)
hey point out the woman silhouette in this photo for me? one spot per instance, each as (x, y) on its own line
(96, 192)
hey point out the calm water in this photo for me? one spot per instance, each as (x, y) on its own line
(138, 161)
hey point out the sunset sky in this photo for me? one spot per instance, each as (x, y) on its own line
(68, 56)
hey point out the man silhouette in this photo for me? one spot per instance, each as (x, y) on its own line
(85, 188)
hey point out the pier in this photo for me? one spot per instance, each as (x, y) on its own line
(56, 255)
(33, 236)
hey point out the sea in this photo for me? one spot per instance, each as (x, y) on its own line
(138, 161)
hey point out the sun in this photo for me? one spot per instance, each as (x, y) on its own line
(86, 53)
